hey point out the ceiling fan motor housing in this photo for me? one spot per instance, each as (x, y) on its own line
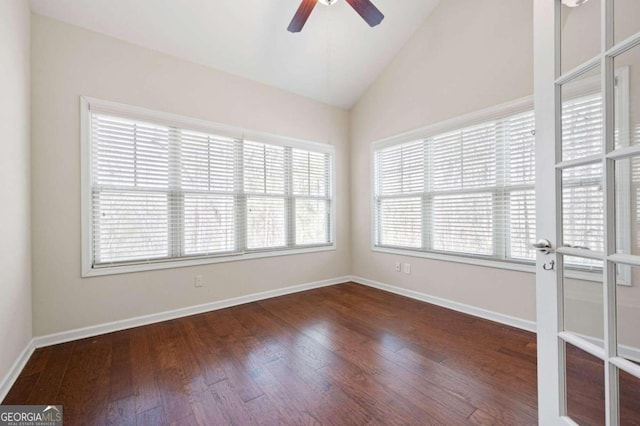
(328, 2)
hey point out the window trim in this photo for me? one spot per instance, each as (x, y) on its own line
(89, 105)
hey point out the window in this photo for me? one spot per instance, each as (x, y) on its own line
(470, 192)
(184, 192)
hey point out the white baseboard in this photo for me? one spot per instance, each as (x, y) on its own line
(449, 304)
(81, 333)
(95, 330)
(9, 379)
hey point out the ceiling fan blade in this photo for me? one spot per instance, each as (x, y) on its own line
(301, 16)
(368, 11)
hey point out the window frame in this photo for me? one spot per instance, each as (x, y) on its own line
(480, 117)
(519, 106)
(89, 105)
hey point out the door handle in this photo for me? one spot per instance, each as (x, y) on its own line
(543, 246)
(578, 247)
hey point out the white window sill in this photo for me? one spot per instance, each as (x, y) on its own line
(181, 263)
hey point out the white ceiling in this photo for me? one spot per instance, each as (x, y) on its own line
(334, 59)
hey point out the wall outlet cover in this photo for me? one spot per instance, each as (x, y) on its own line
(197, 282)
(407, 268)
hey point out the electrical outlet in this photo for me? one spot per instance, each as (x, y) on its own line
(407, 268)
(398, 267)
(198, 281)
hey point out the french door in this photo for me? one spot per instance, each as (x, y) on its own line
(587, 101)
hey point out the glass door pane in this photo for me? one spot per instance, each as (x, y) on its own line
(628, 312)
(583, 299)
(629, 399)
(582, 116)
(627, 185)
(583, 209)
(627, 96)
(585, 387)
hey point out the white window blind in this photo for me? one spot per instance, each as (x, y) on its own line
(207, 202)
(520, 171)
(463, 178)
(264, 186)
(311, 202)
(399, 205)
(161, 193)
(131, 194)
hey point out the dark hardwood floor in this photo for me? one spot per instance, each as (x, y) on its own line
(345, 354)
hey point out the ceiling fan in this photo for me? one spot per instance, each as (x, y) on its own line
(365, 9)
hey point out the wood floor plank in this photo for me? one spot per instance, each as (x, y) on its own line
(46, 388)
(231, 404)
(264, 411)
(162, 346)
(38, 361)
(145, 387)
(152, 417)
(280, 398)
(327, 405)
(174, 395)
(369, 393)
(189, 420)
(193, 373)
(121, 373)
(489, 397)
(122, 412)
(68, 394)
(438, 403)
(483, 418)
(206, 409)
(304, 347)
(212, 370)
(95, 402)
(233, 369)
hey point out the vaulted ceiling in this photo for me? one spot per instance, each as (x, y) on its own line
(333, 60)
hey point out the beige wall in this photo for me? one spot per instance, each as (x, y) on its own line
(69, 62)
(468, 55)
(15, 256)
